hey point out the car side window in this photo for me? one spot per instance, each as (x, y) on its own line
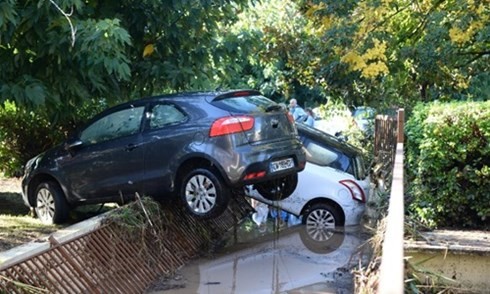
(114, 125)
(324, 156)
(164, 115)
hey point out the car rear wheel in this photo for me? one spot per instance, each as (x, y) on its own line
(204, 194)
(278, 189)
(51, 205)
(322, 216)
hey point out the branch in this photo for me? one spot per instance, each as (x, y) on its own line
(476, 55)
(67, 16)
(423, 23)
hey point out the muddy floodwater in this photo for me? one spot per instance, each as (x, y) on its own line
(274, 259)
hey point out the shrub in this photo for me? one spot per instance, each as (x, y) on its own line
(448, 156)
(24, 133)
(340, 119)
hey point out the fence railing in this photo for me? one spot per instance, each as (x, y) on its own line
(107, 260)
(391, 276)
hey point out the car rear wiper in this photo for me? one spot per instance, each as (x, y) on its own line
(273, 107)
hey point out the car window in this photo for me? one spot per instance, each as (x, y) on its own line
(361, 168)
(326, 156)
(246, 104)
(164, 115)
(114, 125)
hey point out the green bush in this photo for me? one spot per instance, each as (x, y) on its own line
(336, 112)
(448, 164)
(24, 133)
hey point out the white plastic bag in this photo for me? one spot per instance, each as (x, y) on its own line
(260, 214)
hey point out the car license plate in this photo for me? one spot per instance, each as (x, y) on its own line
(281, 164)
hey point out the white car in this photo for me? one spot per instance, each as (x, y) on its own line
(333, 188)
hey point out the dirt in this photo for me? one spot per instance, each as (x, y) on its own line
(10, 185)
(17, 223)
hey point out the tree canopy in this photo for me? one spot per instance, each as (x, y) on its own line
(59, 53)
(390, 52)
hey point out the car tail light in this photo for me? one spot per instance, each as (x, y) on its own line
(356, 192)
(230, 125)
(291, 118)
(255, 175)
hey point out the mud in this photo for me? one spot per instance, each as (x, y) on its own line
(273, 259)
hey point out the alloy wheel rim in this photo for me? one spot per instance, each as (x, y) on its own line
(45, 206)
(320, 224)
(200, 194)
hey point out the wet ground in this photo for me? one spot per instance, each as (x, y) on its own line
(274, 259)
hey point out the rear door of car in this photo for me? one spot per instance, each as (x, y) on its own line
(165, 138)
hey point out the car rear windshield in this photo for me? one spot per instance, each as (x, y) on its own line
(246, 104)
(324, 155)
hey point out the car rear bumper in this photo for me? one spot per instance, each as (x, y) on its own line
(258, 164)
(353, 213)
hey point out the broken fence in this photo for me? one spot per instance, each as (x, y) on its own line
(104, 261)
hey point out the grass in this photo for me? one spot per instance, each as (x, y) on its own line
(19, 226)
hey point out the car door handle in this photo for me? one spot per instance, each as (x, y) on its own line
(131, 147)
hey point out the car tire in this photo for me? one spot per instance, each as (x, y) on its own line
(51, 206)
(322, 215)
(320, 221)
(278, 189)
(204, 194)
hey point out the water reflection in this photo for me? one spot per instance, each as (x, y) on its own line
(277, 260)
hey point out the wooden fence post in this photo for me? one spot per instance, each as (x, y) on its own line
(401, 125)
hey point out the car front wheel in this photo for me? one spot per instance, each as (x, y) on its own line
(51, 205)
(278, 189)
(204, 194)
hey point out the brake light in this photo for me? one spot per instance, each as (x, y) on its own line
(255, 175)
(290, 117)
(356, 192)
(241, 93)
(230, 125)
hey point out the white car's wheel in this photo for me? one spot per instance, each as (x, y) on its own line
(319, 234)
(322, 216)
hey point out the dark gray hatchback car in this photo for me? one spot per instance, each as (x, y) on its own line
(197, 147)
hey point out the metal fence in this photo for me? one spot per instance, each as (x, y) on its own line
(107, 261)
(385, 143)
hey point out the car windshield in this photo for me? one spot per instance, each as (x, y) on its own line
(245, 104)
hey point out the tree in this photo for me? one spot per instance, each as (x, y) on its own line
(59, 53)
(402, 51)
(64, 60)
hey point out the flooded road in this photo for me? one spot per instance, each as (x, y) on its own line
(274, 260)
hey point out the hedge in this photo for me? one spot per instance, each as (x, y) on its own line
(448, 164)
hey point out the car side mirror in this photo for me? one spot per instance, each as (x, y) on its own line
(73, 144)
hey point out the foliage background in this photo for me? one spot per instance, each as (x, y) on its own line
(60, 56)
(448, 155)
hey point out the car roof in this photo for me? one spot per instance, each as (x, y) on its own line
(209, 96)
(216, 94)
(320, 135)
